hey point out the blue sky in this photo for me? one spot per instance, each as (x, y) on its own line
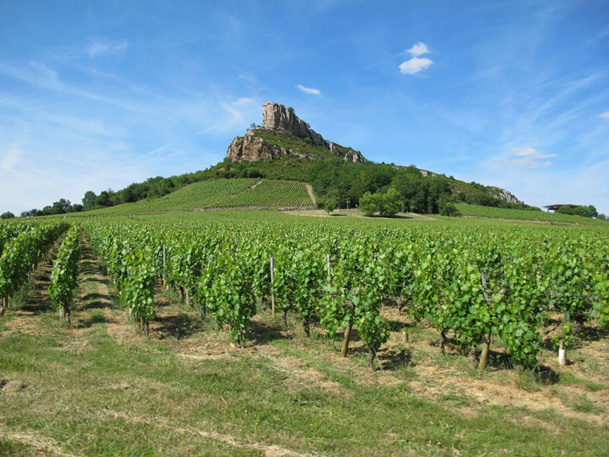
(100, 94)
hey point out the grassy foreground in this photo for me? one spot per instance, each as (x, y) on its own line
(100, 388)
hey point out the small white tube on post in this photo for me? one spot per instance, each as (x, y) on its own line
(562, 358)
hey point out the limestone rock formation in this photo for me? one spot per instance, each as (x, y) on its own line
(252, 148)
(278, 118)
(354, 156)
(283, 122)
(505, 195)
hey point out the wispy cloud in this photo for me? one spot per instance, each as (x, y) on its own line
(45, 78)
(605, 115)
(238, 111)
(528, 157)
(416, 64)
(105, 47)
(162, 148)
(308, 90)
(10, 158)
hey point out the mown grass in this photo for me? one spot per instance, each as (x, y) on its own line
(525, 215)
(92, 396)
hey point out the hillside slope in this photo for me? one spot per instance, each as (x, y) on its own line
(221, 193)
(284, 147)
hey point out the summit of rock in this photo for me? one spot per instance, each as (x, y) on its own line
(275, 137)
(278, 118)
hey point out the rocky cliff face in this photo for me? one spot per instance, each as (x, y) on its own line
(505, 195)
(277, 119)
(252, 148)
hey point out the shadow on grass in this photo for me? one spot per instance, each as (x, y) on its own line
(260, 333)
(392, 359)
(546, 375)
(97, 301)
(178, 326)
(589, 334)
(90, 321)
(397, 326)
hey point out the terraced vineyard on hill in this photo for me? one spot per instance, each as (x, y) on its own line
(222, 193)
(271, 194)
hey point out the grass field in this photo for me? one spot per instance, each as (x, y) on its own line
(524, 215)
(100, 388)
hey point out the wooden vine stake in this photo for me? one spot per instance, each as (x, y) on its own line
(486, 345)
(272, 288)
(345, 348)
(164, 261)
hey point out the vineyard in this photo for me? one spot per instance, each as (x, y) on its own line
(495, 297)
(502, 283)
(221, 193)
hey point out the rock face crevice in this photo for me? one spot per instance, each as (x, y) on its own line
(279, 120)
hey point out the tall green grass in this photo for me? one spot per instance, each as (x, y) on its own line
(525, 215)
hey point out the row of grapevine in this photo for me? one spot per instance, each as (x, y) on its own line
(10, 231)
(64, 279)
(129, 261)
(477, 285)
(21, 255)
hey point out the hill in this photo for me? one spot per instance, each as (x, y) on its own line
(286, 148)
(221, 193)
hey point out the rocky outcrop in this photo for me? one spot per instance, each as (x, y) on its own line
(505, 195)
(252, 148)
(278, 119)
(354, 156)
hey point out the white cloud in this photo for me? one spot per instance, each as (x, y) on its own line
(103, 47)
(244, 101)
(10, 158)
(415, 65)
(604, 115)
(308, 90)
(528, 151)
(418, 49)
(528, 157)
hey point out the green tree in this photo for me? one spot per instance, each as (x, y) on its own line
(330, 204)
(61, 206)
(89, 200)
(7, 215)
(581, 211)
(368, 204)
(389, 203)
(566, 210)
(447, 207)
